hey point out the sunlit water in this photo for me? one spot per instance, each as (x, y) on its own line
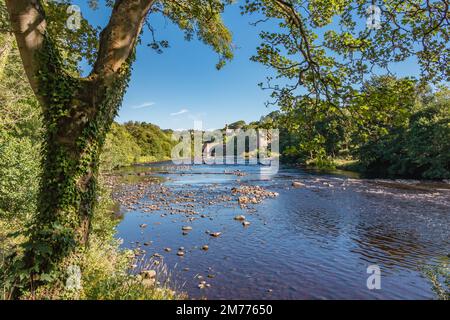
(312, 242)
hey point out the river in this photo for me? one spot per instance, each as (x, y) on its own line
(311, 242)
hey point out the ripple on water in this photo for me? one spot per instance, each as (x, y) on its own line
(311, 242)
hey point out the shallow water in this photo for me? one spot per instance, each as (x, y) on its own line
(311, 242)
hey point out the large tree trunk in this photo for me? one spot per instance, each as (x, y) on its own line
(77, 114)
(77, 117)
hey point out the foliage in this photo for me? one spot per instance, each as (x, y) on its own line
(392, 127)
(19, 173)
(135, 142)
(154, 143)
(237, 125)
(439, 276)
(20, 131)
(196, 18)
(324, 49)
(404, 134)
(120, 149)
(322, 53)
(106, 276)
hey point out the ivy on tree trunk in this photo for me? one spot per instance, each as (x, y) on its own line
(77, 114)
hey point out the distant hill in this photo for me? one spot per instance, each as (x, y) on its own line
(135, 142)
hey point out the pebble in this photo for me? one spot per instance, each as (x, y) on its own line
(297, 184)
(215, 234)
(148, 274)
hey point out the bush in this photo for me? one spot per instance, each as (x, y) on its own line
(420, 150)
(19, 172)
(120, 149)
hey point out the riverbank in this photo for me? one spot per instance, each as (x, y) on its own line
(106, 271)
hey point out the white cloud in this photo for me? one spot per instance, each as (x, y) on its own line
(144, 105)
(182, 111)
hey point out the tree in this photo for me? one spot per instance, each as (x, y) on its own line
(78, 111)
(237, 125)
(326, 49)
(322, 52)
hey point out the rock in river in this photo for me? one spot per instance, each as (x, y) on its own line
(186, 228)
(243, 200)
(148, 274)
(239, 218)
(215, 234)
(245, 223)
(205, 247)
(297, 184)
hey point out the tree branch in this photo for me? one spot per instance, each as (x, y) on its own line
(118, 39)
(29, 27)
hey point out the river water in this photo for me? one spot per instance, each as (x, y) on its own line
(312, 242)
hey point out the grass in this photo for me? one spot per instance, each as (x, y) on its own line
(335, 163)
(439, 277)
(105, 272)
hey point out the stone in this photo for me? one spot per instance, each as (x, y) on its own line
(167, 249)
(186, 228)
(180, 253)
(254, 200)
(143, 225)
(239, 218)
(148, 274)
(243, 200)
(297, 184)
(215, 234)
(201, 285)
(205, 247)
(245, 223)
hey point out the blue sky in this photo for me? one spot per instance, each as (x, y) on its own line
(182, 85)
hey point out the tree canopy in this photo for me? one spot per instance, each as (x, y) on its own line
(323, 49)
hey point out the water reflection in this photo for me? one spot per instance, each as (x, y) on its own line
(309, 242)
